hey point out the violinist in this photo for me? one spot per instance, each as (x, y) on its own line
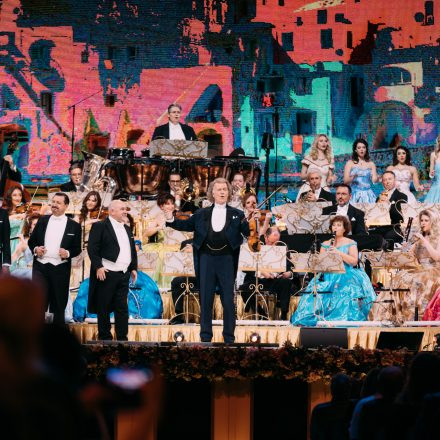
(250, 204)
(90, 209)
(15, 206)
(153, 230)
(280, 284)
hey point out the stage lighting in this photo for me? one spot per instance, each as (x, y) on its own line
(178, 337)
(255, 338)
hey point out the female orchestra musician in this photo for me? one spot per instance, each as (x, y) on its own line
(250, 204)
(23, 257)
(405, 173)
(90, 213)
(422, 282)
(433, 195)
(348, 295)
(321, 159)
(360, 172)
(14, 204)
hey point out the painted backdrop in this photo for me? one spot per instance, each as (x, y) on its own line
(104, 72)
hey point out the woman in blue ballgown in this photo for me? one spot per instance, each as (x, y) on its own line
(433, 195)
(360, 173)
(349, 296)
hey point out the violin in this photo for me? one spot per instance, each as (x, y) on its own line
(28, 208)
(98, 214)
(182, 215)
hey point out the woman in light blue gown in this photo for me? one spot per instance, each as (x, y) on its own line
(433, 195)
(349, 296)
(360, 173)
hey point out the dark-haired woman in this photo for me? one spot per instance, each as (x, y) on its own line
(360, 173)
(348, 296)
(405, 173)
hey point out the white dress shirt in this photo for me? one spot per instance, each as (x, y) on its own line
(56, 226)
(342, 210)
(218, 218)
(124, 257)
(390, 193)
(176, 132)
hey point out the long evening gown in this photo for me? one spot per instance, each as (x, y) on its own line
(433, 195)
(350, 298)
(144, 300)
(403, 181)
(422, 283)
(362, 185)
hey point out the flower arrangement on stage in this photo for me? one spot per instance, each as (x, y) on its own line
(243, 363)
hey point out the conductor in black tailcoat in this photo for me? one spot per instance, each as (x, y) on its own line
(174, 130)
(113, 261)
(55, 240)
(218, 234)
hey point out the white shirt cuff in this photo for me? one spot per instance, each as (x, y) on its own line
(170, 220)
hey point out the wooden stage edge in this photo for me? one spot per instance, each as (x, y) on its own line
(365, 337)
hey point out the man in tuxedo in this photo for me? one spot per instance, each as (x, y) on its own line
(55, 240)
(113, 259)
(283, 284)
(174, 130)
(218, 234)
(5, 243)
(343, 207)
(316, 193)
(175, 189)
(392, 234)
(76, 176)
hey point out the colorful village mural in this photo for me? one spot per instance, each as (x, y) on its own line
(98, 74)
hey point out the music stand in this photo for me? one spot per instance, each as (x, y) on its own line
(268, 259)
(178, 148)
(323, 262)
(178, 264)
(389, 261)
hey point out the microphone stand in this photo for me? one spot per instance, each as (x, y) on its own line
(73, 107)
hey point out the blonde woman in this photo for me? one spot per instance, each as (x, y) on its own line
(433, 195)
(422, 282)
(319, 159)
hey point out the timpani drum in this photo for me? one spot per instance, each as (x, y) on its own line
(144, 177)
(204, 171)
(120, 154)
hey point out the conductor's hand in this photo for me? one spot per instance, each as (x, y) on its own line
(40, 251)
(63, 253)
(134, 276)
(100, 273)
(8, 158)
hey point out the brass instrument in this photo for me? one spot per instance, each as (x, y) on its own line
(190, 191)
(384, 193)
(93, 164)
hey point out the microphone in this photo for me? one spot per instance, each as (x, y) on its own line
(333, 239)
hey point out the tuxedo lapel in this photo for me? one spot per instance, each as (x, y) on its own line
(112, 232)
(67, 230)
(228, 216)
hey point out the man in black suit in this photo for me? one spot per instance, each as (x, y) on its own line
(393, 233)
(54, 241)
(173, 130)
(113, 261)
(343, 207)
(76, 176)
(5, 243)
(316, 193)
(8, 170)
(218, 234)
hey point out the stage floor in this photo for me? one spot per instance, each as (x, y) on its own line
(366, 336)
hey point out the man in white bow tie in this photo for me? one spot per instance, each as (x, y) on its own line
(55, 240)
(343, 207)
(218, 235)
